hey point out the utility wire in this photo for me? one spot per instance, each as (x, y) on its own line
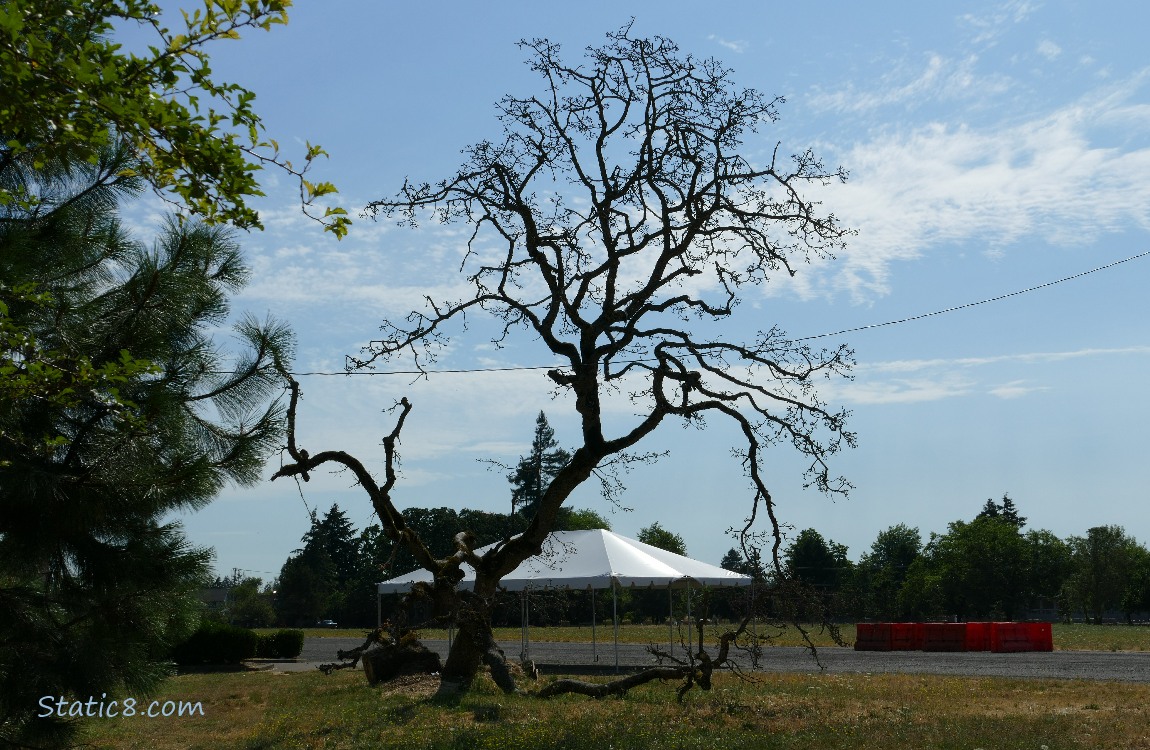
(975, 304)
(900, 321)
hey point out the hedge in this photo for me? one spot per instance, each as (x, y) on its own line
(282, 644)
(216, 643)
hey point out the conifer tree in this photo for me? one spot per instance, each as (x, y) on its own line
(534, 472)
(143, 418)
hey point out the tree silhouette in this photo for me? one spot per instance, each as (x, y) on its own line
(535, 471)
(146, 420)
(616, 209)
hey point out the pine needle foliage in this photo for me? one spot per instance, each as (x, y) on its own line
(118, 409)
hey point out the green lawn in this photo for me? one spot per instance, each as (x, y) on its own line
(265, 710)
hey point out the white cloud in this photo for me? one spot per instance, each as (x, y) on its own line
(899, 391)
(1043, 178)
(1049, 50)
(990, 26)
(941, 79)
(1015, 389)
(918, 365)
(738, 47)
(921, 380)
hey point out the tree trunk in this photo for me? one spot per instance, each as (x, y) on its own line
(474, 646)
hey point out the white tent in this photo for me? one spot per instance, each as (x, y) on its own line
(596, 559)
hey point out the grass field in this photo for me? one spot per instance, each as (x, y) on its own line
(1075, 637)
(264, 710)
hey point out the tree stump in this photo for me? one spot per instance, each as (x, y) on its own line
(387, 661)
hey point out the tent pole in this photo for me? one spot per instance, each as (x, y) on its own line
(594, 644)
(670, 619)
(690, 624)
(524, 615)
(615, 617)
(378, 609)
(754, 622)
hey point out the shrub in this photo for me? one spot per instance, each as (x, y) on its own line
(282, 644)
(216, 643)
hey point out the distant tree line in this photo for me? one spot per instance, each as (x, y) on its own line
(334, 574)
(990, 567)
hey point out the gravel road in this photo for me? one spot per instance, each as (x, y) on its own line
(1124, 666)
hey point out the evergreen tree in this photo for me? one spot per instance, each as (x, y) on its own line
(534, 472)
(144, 419)
(1004, 511)
(735, 562)
(335, 536)
(315, 580)
(305, 589)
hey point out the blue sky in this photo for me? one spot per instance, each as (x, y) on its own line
(992, 147)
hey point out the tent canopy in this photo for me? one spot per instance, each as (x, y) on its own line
(595, 559)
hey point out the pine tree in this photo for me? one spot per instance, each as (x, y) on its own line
(735, 562)
(1004, 511)
(534, 472)
(335, 536)
(137, 417)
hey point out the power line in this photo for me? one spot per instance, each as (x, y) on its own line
(900, 321)
(975, 304)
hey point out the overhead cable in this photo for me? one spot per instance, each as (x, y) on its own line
(900, 321)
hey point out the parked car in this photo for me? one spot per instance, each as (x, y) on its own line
(327, 624)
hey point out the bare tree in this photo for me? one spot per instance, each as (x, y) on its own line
(614, 220)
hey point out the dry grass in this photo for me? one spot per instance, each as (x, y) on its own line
(308, 710)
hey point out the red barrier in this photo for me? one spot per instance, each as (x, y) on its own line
(944, 636)
(1000, 637)
(906, 636)
(1010, 637)
(872, 636)
(977, 636)
(1040, 636)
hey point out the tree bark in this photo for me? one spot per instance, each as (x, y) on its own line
(474, 647)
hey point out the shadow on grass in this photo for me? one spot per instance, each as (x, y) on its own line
(222, 668)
